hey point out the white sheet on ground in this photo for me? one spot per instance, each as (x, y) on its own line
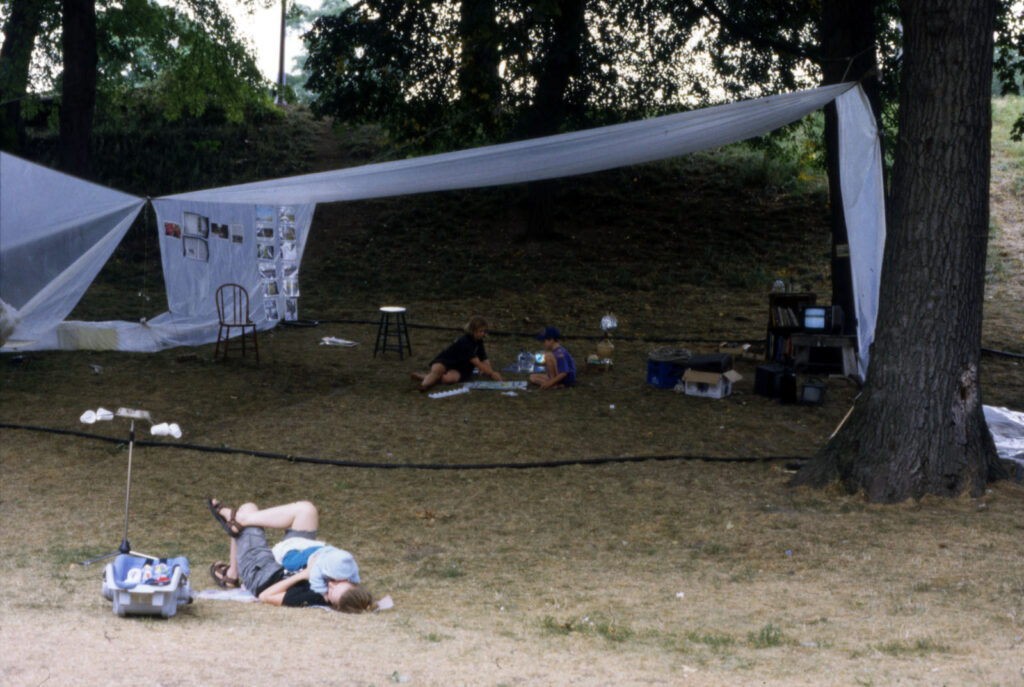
(56, 233)
(1007, 428)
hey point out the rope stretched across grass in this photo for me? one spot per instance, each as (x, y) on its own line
(410, 466)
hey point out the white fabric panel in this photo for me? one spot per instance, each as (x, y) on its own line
(56, 233)
(860, 176)
(191, 283)
(541, 158)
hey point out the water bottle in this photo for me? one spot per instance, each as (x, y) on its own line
(525, 361)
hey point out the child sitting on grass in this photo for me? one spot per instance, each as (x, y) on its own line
(559, 367)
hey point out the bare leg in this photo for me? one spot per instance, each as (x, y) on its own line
(550, 370)
(233, 561)
(300, 515)
(438, 374)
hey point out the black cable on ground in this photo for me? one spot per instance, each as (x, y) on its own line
(1005, 354)
(405, 466)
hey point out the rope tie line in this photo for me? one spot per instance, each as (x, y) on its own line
(407, 466)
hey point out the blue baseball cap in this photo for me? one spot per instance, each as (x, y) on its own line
(332, 564)
(549, 333)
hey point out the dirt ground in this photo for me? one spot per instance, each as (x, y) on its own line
(673, 570)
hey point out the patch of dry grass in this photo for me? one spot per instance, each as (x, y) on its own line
(622, 573)
(653, 572)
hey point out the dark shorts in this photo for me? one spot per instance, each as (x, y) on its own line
(256, 565)
(465, 369)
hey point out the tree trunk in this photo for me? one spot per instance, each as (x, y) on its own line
(561, 63)
(918, 427)
(479, 83)
(20, 31)
(848, 54)
(78, 101)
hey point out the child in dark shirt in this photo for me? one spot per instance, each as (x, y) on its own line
(455, 363)
(298, 571)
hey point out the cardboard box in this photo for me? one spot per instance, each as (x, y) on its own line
(709, 384)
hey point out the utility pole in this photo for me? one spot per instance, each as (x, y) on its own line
(280, 56)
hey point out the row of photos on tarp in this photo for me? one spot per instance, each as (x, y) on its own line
(276, 252)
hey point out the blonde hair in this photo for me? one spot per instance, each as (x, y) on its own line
(356, 600)
(475, 323)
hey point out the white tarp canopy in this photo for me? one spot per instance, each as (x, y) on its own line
(56, 233)
(236, 210)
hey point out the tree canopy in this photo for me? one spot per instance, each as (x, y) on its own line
(179, 59)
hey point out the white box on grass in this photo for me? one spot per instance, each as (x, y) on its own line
(709, 384)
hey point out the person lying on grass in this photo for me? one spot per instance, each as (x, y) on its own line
(559, 367)
(298, 570)
(455, 363)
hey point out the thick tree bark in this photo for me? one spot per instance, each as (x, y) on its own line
(549, 111)
(479, 82)
(20, 31)
(848, 54)
(918, 426)
(78, 101)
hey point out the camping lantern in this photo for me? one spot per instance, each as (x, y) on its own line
(605, 347)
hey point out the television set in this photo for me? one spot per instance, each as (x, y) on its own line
(821, 319)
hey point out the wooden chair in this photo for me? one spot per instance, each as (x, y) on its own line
(233, 313)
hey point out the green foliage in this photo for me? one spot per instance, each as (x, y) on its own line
(416, 68)
(597, 623)
(184, 61)
(181, 59)
(768, 636)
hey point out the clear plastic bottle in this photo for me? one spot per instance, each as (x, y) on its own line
(525, 361)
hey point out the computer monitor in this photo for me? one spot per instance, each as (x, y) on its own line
(821, 319)
(817, 318)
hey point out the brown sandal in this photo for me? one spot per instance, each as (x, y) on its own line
(231, 525)
(219, 573)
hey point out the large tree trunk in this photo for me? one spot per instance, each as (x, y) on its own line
(78, 101)
(918, 426)
(20, 31)
(479, 82)
(848, 54)
(561, 63)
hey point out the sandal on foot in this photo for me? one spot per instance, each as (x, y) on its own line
(231, 525)
(219, 573)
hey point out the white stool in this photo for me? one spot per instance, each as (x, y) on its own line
(392, 332)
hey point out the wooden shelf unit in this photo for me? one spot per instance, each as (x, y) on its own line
(783, 322)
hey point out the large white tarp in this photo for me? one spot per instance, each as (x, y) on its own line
(56, 233)
(550, 157)
(860, 178)
(196, 258)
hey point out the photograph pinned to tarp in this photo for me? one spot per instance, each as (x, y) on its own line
(197, 225)
(196, 248)
(268, 270)
(172, 229)
(270, 308)
(265, 251)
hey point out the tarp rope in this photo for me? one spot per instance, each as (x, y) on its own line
(403, 466)
(618, 336)
(497, 332)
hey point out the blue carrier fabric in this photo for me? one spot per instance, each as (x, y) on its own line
(138, 585)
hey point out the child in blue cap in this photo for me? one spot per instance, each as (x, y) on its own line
(559, 367)
(300, 570)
